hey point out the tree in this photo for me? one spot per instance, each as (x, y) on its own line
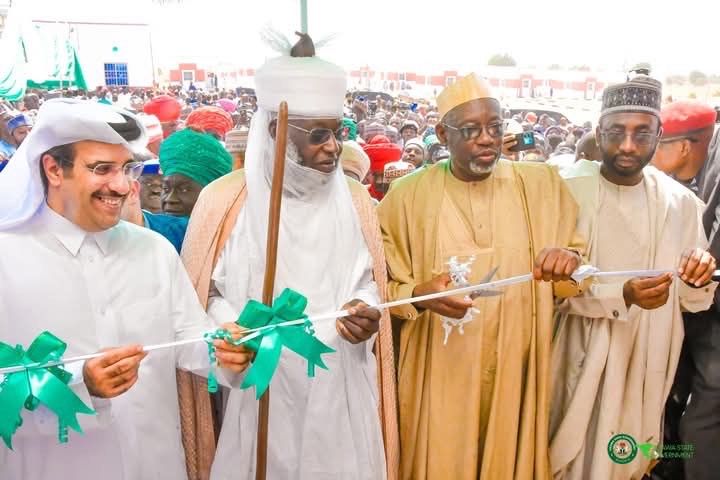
(698, 78)
(503, 60)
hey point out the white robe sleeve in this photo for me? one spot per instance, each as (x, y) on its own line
(601, 300)
(696, 299)
(367, 291)
(219, 311)
(189, 321)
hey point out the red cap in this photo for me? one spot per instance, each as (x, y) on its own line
(680, 118)
(381, 151)
(164, 107)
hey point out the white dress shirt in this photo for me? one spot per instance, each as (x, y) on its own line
(120, 286)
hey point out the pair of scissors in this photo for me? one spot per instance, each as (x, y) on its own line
(486, 292)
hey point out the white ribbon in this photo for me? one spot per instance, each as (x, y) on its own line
(580, 274)
(585, 271)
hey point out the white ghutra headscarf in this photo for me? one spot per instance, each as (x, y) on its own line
(59, 122)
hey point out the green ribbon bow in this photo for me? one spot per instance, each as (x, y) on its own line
(37, 385)
(269, 341)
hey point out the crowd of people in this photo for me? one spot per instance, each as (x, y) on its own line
(130, 218)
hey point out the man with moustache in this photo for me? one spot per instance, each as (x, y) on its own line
(99, 284)
(618, 344)
(476, 407)
(340, 424)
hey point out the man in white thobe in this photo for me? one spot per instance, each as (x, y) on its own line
(618, 344)
(72, 268)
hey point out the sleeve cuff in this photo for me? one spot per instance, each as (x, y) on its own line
(698, 299)
(612, 300)
(404, 312)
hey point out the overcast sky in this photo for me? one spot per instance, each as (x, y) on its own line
(430, 35)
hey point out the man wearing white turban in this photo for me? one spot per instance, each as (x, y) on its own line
(330, 250)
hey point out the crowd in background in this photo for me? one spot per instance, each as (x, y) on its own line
(196, 137)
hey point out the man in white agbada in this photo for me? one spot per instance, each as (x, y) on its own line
(326, 427)
(617, 345)
(71, 267)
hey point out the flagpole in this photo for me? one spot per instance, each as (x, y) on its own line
(303, 16)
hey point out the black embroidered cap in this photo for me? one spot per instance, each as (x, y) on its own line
(642, 94)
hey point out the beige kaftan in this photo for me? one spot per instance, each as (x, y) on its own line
(478, 406)
(613, 366)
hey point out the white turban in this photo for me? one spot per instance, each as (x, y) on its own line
(312, 87)
(318, 214)
(59, 122)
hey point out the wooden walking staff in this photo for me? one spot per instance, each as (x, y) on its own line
(270, 266)
(271, 257)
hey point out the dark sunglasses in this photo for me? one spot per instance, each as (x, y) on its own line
(320, 136)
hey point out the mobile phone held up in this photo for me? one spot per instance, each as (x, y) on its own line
(525, 141)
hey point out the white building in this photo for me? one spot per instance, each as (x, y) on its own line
(115, 49)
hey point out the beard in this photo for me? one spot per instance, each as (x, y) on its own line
(478, 169)
(612, 162)
(292, 152)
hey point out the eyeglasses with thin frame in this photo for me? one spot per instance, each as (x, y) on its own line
(131, 170)
(665, 141)
(320, 136)
(616, 137)
(495, 130)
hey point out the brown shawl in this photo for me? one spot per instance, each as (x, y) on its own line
(212, 222)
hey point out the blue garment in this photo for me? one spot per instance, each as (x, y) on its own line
(170, 227)
(7, 150)
(3, 164)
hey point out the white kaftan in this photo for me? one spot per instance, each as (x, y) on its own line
(121, 286)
